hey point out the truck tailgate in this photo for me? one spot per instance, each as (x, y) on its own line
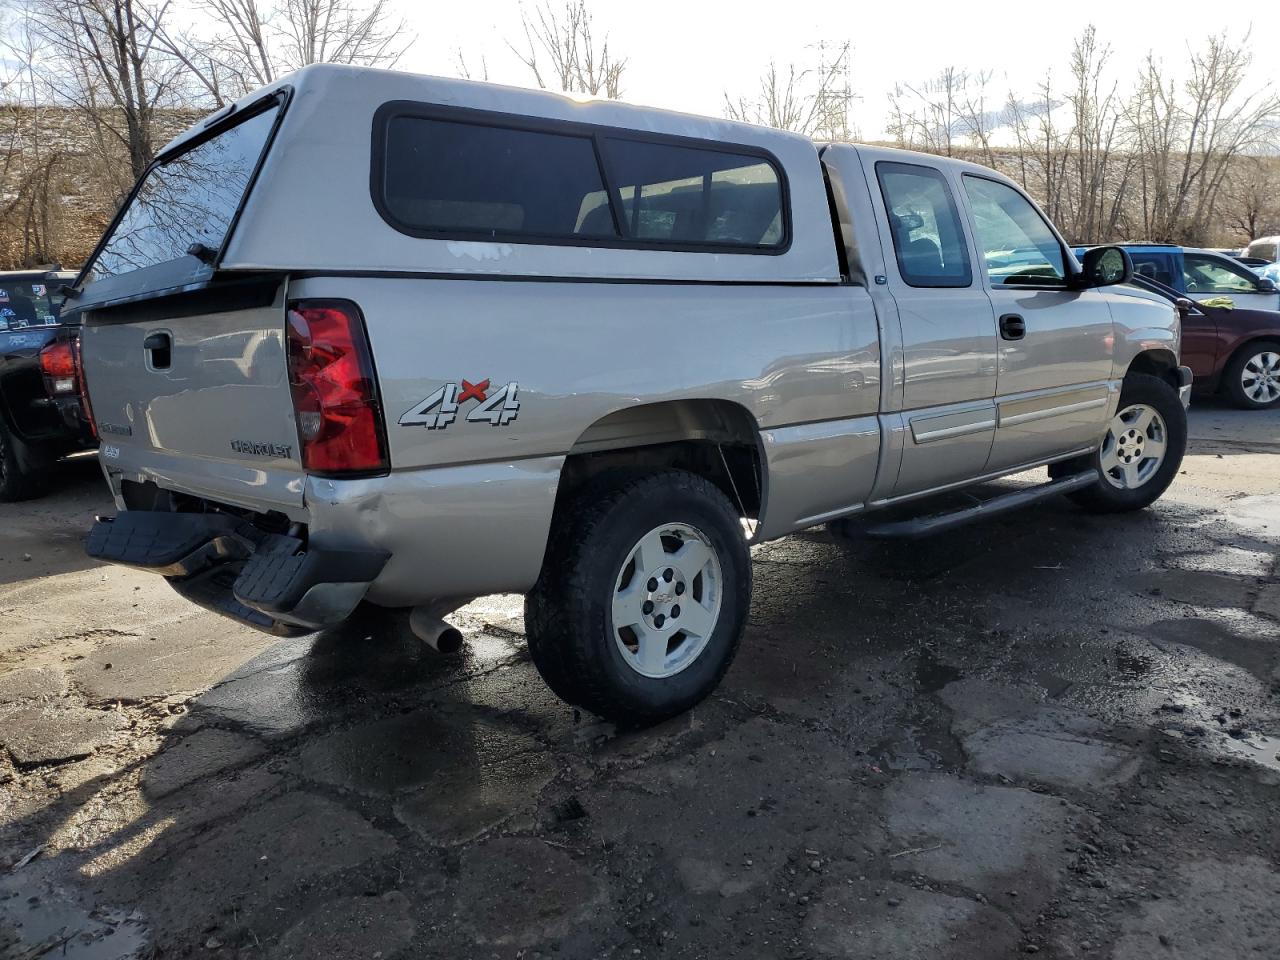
(199, 404)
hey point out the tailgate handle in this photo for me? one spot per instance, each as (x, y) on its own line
(159, 346)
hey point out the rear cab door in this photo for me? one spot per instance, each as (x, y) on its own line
(946, 327)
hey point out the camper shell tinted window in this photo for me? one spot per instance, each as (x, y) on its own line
(190, 197)
(450, 173)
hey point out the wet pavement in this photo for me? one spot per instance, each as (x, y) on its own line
(1054, 734)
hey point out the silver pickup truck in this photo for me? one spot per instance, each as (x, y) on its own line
(374, 337)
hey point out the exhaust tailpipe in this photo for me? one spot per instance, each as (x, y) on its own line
(440, 636)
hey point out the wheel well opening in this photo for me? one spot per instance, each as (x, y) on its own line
(1249, 345)
(1157, 363)
(716, 439)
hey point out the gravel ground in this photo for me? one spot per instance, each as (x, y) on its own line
(1054, 734)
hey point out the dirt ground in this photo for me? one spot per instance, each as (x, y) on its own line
(1056, 734)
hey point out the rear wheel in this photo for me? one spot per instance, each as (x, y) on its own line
(1140, 453)
(22, 474)
(1252, 378)
(642, 597)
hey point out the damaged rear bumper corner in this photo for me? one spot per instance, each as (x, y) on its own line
(272, 582)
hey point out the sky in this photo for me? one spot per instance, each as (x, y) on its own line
(685, 54)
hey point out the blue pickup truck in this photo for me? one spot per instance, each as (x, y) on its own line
(1201, 275)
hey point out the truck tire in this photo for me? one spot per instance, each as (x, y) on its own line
(1252, 378)
(22, 472)
(664, 552)
(1141, 452)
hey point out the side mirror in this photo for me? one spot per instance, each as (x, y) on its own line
(1106, 266)
(1266, 285)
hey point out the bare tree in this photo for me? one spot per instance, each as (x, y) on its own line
(1100, 155)
(339, 31)
(110, 66)
(928, 116)
(562, 52)
(977, 121)
(810, 100)
(1188, 143)
(253, 43)
(1251, 197)
(29, 212)
(464, 69)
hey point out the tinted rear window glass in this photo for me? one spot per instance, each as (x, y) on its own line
(472, 174)
(191, 198)
(28, 303)
(689, 195)
(447, 177)
(925, 225)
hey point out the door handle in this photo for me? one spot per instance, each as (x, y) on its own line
(1013, 327)
(159, 348)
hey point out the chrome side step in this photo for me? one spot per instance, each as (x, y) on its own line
(916, 527)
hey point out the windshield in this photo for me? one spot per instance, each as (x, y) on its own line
(190, 198)
(28, 303)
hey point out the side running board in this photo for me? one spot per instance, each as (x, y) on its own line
(915, 527)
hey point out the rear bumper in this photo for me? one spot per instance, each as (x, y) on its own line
(272, 582)
(1184, 385)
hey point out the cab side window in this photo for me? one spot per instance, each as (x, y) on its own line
(1211, 275)
(1157, 266)
(925, 224)
(1019, 248)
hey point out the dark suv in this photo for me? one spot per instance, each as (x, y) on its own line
(40, 410)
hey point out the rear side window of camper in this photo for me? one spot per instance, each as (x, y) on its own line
(457, 174)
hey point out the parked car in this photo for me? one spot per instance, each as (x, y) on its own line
(1202, 274)
(1264, 248)
(36, 425)
(583, 352)
(1270, 271)
(1234, 351)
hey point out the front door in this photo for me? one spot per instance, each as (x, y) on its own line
(1200, 340)
(948, 332)
(1220, 281)
(1055, 352)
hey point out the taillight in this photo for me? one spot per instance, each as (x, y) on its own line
(335, 394)
(64, 375)
(58, 363)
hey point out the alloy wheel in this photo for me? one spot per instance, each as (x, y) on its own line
(1260, 377)
(666, 600)
(1135, 447)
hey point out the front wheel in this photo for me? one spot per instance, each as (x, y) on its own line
(642, 598)
(1140, 453)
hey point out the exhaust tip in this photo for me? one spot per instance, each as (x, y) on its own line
(449, 640)
(440, 636)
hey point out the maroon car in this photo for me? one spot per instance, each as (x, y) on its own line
(1231, 350)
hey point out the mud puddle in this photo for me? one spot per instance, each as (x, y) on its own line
(37, 920)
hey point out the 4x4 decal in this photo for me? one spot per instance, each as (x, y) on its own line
(441, 408)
